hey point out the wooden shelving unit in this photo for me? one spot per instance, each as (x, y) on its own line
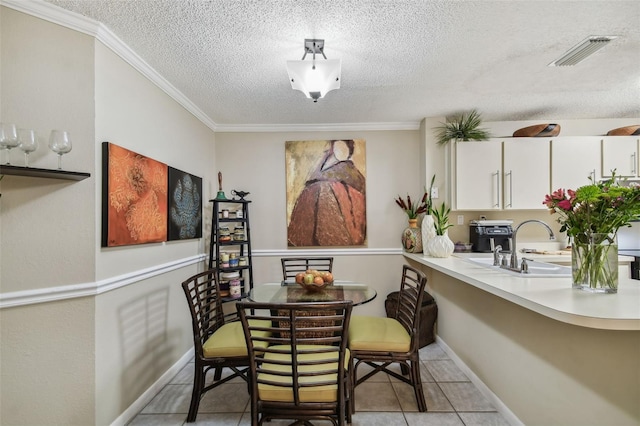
(242, 246)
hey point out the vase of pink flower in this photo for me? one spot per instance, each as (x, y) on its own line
(591, 217)
(594, 262)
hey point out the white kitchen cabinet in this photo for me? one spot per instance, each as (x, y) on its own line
(527, 163)
(478, 175)
(620, 153)
(501, 174)
(575, 159)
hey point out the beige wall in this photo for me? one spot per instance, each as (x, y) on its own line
(47, 358)
(254, 162)
(47, 227)
(134, 113)
(86, 360)
(143, 329)
(39, 91)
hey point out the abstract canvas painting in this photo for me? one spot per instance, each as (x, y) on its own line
(185, 205)
(134, 198)
(326, 193)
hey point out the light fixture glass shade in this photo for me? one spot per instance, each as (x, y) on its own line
(315, 83)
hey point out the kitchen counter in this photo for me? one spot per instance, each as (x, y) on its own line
(541, 352)
(552, 297)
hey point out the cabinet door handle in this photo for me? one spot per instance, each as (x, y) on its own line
(633, 163)
(497, 204)
(510, 174)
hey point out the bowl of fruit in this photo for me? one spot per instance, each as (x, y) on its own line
(313, 280)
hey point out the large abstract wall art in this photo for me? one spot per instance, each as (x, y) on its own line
(134, 198)
(326, 193)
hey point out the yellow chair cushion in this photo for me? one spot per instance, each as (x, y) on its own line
(321, 393)
(228, 341)
(378, 334)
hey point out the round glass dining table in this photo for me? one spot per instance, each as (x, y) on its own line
(286, 292)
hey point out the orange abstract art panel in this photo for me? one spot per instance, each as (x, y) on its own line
(134, 203)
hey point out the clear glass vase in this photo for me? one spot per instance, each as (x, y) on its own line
(594, 262)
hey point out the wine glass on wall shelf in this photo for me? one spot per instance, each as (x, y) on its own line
(60, 143)
(28, 143)
(8, 138)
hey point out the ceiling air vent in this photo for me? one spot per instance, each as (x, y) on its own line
(582, 50)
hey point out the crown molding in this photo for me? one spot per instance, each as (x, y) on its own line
(333, 127)
(74, 21)
(57, 15)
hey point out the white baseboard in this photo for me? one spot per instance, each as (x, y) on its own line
(153, 390)
(509, 416)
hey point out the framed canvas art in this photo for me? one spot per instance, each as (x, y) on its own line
(185, 206)
(134, 198)
(326, 193)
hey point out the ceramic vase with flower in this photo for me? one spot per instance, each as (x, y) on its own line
(412, 237)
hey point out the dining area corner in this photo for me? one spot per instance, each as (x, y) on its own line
(302, 350)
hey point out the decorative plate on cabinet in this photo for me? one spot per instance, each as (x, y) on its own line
(538, 131)
(625, 131)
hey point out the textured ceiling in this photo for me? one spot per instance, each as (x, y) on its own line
(402, 60)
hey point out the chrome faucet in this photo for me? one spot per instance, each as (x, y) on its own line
(514, 251)
(496, 255)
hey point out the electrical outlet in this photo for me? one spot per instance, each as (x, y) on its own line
(434, 192)
(460, 219)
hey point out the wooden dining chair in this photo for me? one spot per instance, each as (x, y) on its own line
(380, 342)
(217, 343)
(294, 376)
(294, 265)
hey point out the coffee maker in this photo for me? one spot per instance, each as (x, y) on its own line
(485, 235)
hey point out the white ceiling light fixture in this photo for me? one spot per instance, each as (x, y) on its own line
(314, 78)
(582, 50)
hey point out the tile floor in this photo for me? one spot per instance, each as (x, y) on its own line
(451, 400)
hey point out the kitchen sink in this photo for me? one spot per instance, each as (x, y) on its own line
(536, 269)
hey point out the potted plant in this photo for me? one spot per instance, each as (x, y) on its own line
(441, 219)
(464, 127)
(441, 245)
